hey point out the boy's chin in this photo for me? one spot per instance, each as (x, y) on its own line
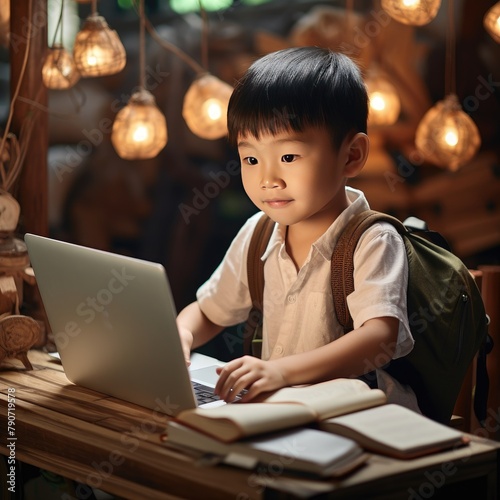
(281, 219)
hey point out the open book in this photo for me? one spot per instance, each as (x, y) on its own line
(395, 431)
(283, 409)
(303, 449)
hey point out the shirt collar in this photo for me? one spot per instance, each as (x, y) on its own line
(277, 239)
(327, 241)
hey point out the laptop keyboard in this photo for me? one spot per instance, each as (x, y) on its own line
(204, 394)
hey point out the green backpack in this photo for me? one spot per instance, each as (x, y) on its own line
(445, 308)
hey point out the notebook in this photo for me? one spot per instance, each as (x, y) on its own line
(113, 319)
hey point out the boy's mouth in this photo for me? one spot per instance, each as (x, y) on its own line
(277, 203)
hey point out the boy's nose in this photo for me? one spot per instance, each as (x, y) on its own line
(270, 180)
(269, 183)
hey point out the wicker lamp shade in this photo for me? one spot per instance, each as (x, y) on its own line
(446, 136)
(140, 129)
(491, 22)
(205, 107)
(59, 70)
(98, 50)
(412, 12)
(385, 104)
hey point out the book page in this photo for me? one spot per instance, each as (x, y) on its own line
(331, 398)
(395, 427)
(234, 421)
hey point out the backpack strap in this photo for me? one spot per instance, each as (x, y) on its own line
(255, 271)
(342, 265)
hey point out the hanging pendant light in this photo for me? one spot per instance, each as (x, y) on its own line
(491, 22)
(205, 107)
(98, 50)
(385, 104)
(205, 104)
(446, 136)
(140, 129)
(412, 12)
(59, 70)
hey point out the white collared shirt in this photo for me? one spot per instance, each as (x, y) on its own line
(298, 306)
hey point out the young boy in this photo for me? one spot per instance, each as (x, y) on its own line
(299, 117)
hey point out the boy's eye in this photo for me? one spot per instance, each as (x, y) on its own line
(250, 160)
(288, 158)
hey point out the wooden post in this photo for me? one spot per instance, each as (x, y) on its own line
(28, 31)
(28, 28)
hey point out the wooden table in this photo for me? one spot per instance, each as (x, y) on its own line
(119, 448)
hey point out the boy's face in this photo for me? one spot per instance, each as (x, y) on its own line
(294, 176)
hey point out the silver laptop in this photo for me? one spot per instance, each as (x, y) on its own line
(113, 320)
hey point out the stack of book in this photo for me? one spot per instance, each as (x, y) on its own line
(325, 429)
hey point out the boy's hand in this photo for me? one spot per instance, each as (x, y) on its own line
(247, 373)
(187, 342)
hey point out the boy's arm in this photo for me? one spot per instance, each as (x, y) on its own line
(195, 329)
(355, 353)
(360, 351)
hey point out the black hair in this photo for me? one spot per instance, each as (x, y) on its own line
(294, 88)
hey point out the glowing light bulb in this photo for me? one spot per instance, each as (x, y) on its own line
(412, 12)
(451, 137)
(411, 3)
(93, 57)
(141, 133)
(377, 101)
(212, 108)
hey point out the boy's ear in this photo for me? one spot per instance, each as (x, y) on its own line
(357, 149)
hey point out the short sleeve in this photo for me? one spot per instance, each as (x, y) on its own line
(381, 282)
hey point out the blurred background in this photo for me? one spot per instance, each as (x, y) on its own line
(183, 207)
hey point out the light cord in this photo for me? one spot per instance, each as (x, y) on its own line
(450, 81)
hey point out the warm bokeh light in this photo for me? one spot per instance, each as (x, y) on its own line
(450, 136)
(412, 12)
(213, 109)
(98, 50)
(140, 129)
(491, 22)
(59, 70)
(205, 107)
(446, 136)
(385, 104)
